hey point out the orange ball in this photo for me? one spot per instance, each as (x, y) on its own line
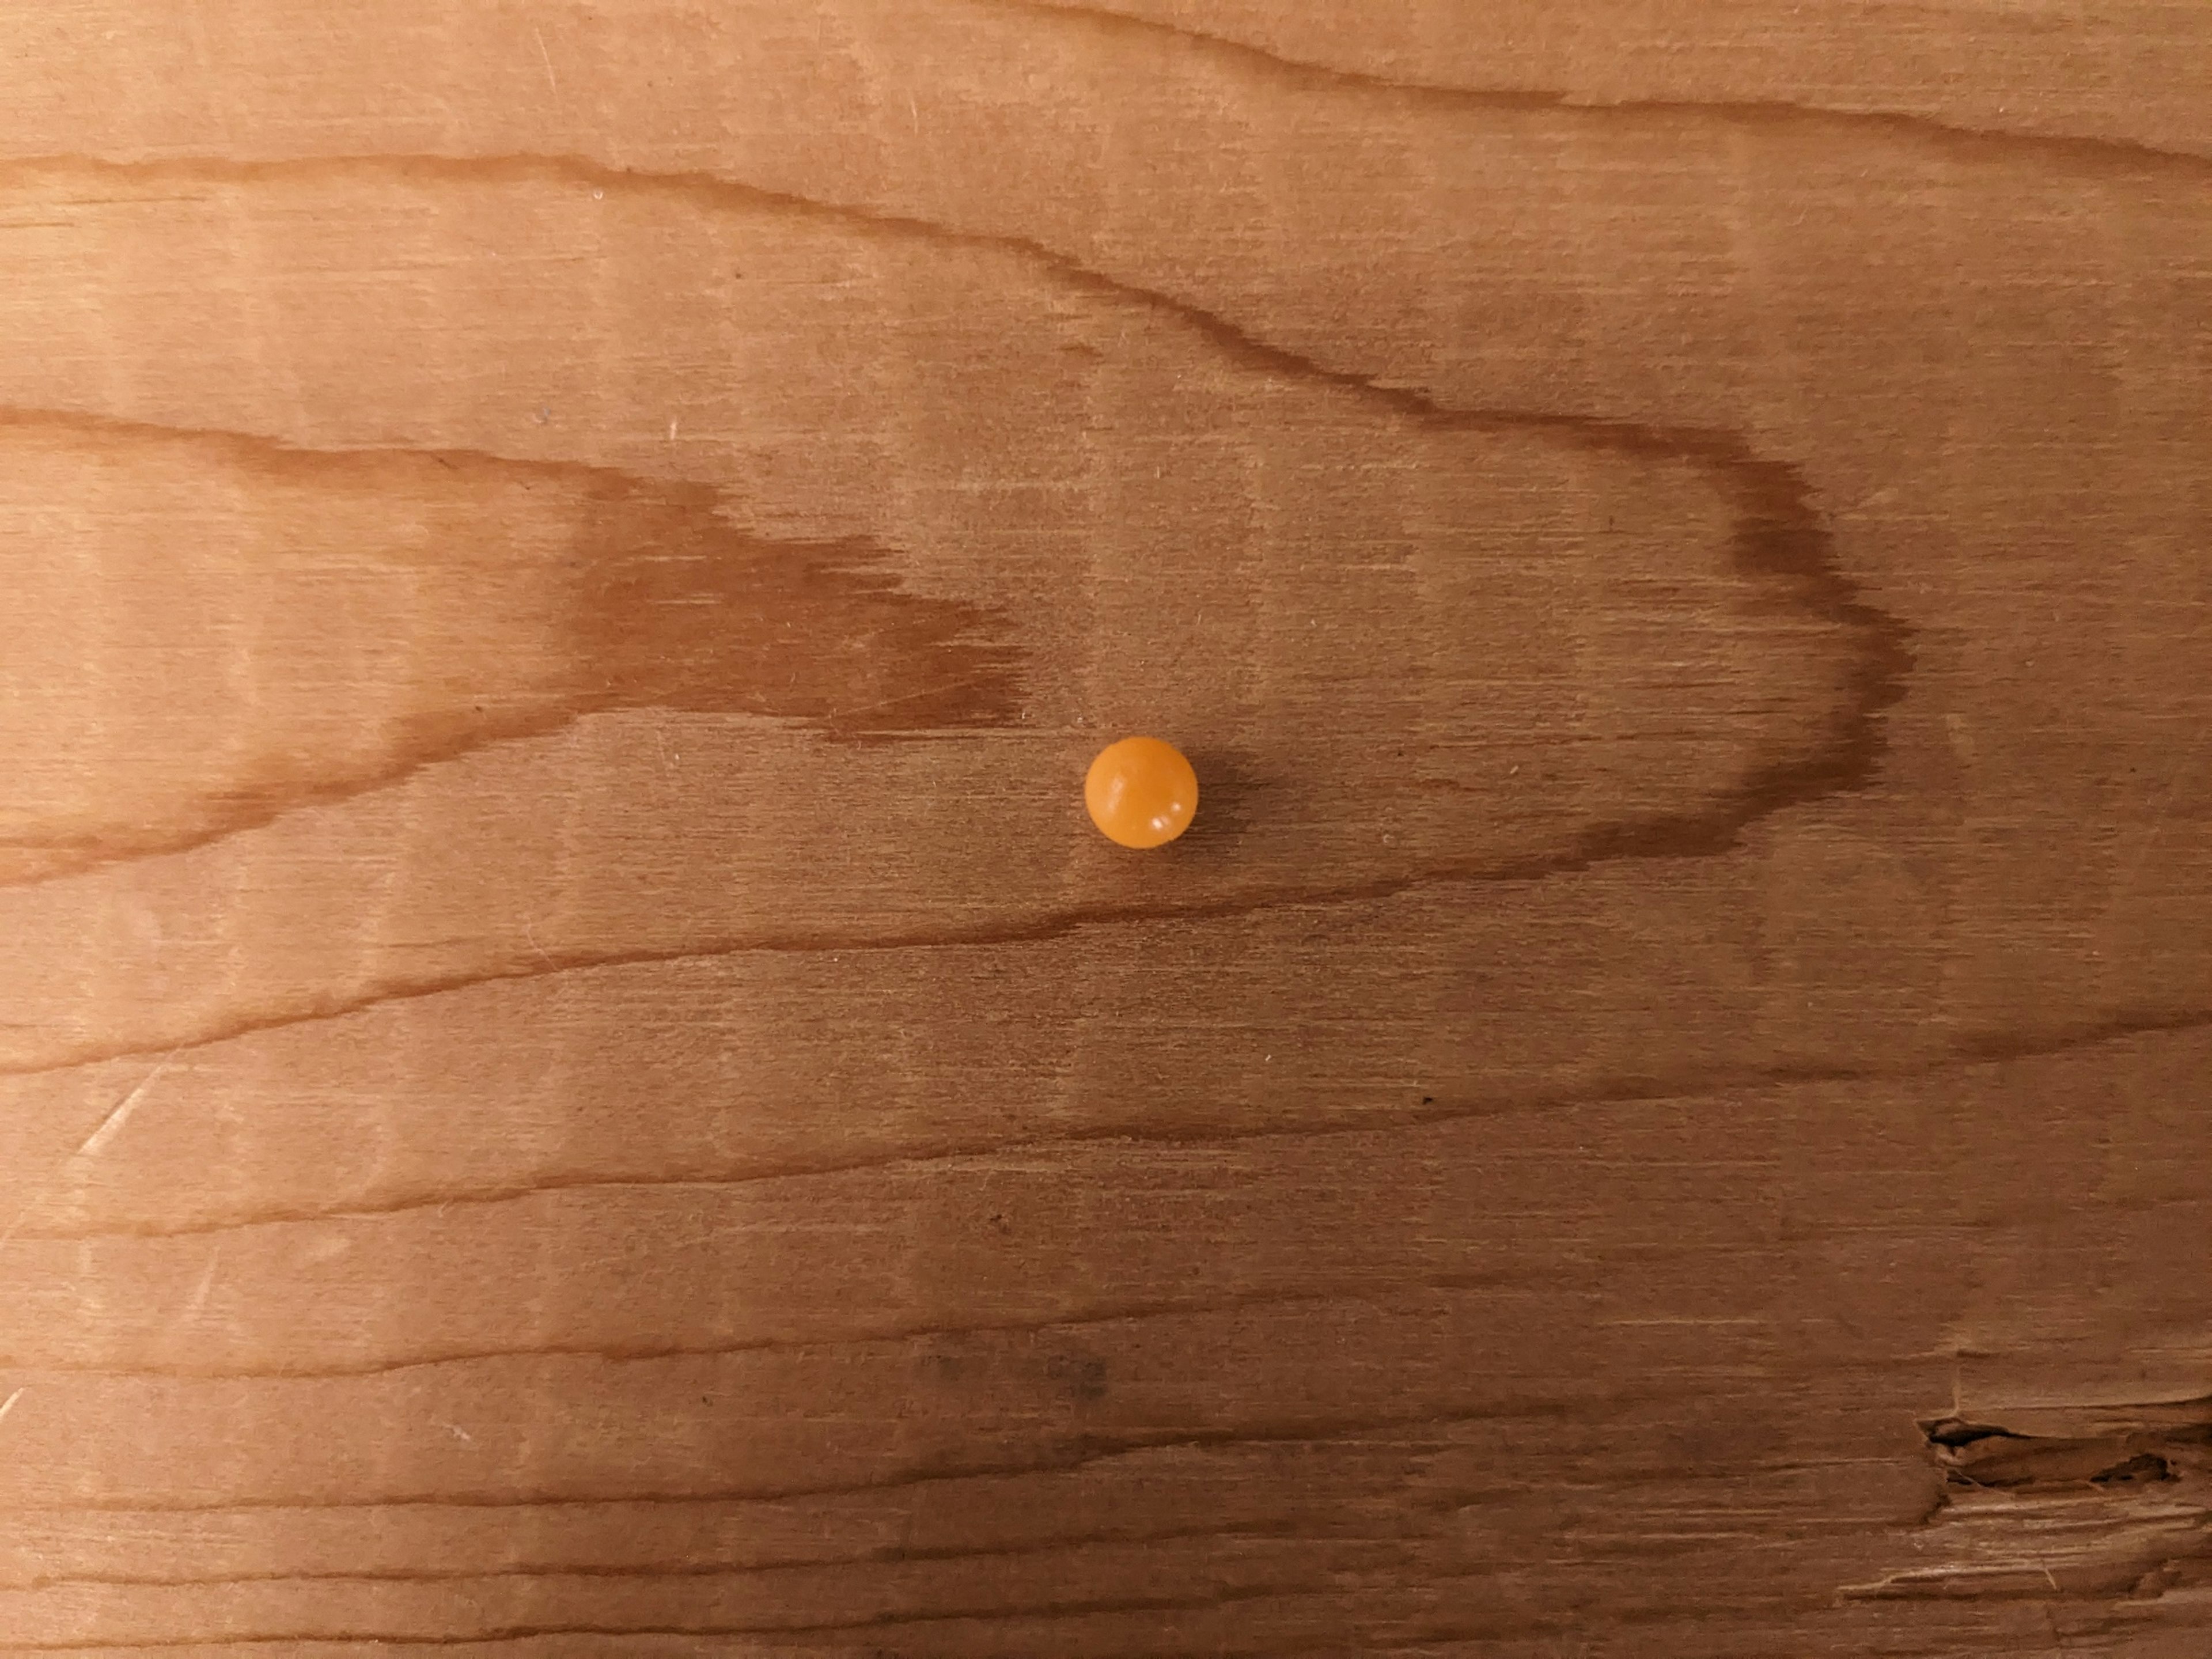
(1141, 792)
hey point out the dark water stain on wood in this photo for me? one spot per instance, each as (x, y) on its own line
(676, 608)
(517, 597)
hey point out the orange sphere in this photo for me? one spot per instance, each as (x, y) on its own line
(1141, 792)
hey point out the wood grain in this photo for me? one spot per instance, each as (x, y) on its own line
(573, 1083)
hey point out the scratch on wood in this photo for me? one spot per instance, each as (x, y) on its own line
(551, 80)
(112, 1126)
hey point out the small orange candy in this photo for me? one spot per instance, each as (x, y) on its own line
(1141, 792)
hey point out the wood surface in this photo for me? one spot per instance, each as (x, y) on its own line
(576, 1084)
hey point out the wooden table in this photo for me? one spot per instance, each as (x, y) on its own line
(577, 1084)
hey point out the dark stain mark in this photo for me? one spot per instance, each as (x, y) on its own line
(941, 1358)
(654, 599)
(1083, 1376)
(679, 610)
